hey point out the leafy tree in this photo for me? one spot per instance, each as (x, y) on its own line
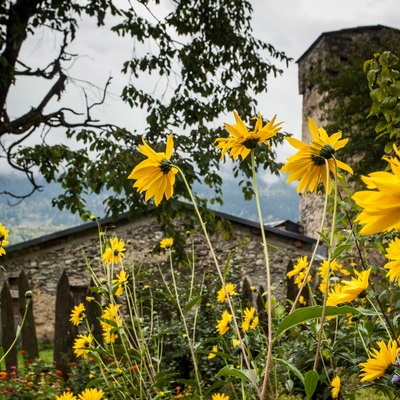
(383, 76)
(205, 60)
(346, 102)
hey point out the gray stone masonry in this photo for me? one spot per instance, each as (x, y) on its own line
(44, 260)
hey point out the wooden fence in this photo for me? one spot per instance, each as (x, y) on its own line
(65, 332)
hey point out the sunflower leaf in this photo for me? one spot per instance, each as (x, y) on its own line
(304, 314)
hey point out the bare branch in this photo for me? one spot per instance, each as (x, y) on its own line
(33, 117)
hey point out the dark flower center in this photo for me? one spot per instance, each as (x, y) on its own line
(251, 143)
(165, 165)
(362, 295)
(327, 151)
(317, 160)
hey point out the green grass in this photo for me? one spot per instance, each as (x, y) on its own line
(45, 355)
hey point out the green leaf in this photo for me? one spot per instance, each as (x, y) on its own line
(231, 372)
(295, 370)
(194, 302)
(340, 249)
(270, 246)
(304, 314)
(310, 382)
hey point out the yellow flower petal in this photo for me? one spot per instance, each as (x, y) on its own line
(309, 164)
(242, 140)
(156, 174)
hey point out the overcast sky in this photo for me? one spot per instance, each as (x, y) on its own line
(289, 25)
(292, 26)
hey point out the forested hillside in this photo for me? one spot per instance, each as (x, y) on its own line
(35, 216)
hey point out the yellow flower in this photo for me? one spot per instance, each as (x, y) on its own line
(393, 253)
(334, 267)
(156, 174)
(219, 396)
(381, 359)
(78, 314)
(355, 288)
(110, 321)
(381, 203)
(335, 387)
(91, 394)
(82, 344)
(334, 296)
(213, 352)
(66, 396)
(230, 288)
(223, 323)
(242, 141)
(235, 342)
(250, 321)
(3, 236)
(114, 251)
(122, 279)
(166, 243)
(299, 269)
(308, 164)
(302, 301)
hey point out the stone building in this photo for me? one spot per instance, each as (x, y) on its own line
(44, 259)
(337, 44)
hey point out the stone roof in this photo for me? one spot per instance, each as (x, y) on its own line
(345, 32)
(63, 235)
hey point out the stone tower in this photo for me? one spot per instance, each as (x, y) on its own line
(337, 44)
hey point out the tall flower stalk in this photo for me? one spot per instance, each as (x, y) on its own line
(221, 277)
(330, 256)
(268, 273)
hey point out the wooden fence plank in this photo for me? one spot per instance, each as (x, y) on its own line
(28, 333)
(64, 332)
(8, 327)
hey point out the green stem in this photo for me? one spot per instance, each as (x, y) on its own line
(330, 251)
(19, 330)
(307, 273)
(188, 336)
(380, 317)
(268, 271)
(219, 271)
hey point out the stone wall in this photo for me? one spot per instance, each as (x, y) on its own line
(43, 260)
(338, 44)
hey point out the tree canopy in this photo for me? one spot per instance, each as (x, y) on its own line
(203, 59)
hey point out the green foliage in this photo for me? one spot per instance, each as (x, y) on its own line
(384, 83)
(346, 102)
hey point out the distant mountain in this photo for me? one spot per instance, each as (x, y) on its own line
(35, 216)
(279, 201)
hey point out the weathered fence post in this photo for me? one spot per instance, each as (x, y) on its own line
(64, 332)
(261, 304)
(28, 333)
(247, 294)
(8, 326)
